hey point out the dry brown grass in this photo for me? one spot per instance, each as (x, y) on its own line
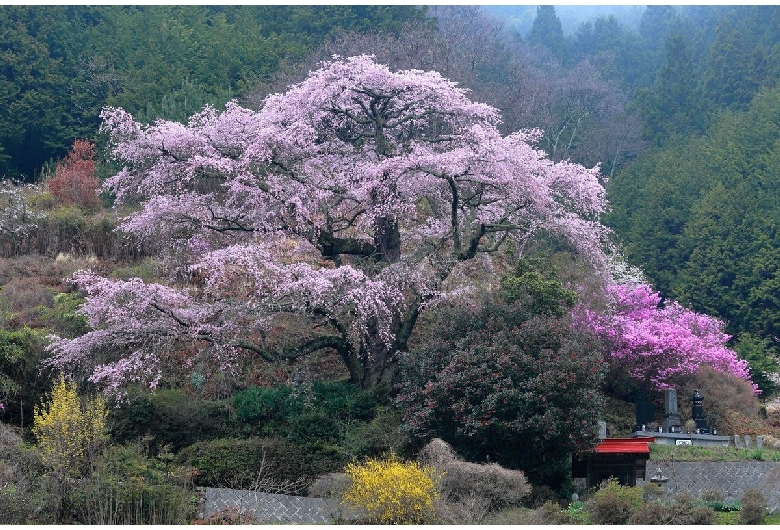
(729, 402)
(470, 491)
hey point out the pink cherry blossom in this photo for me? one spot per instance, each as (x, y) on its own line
(352, 201)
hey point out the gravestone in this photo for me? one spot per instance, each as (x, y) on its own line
(602, 429)
(697, 411)
(671, 415)
(645, 415)
(747, 441)
(759, 442)
(737, 441)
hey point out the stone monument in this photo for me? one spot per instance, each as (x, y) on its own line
(671, 416)
(698, 413)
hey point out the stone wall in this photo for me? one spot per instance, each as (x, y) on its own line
(730, 478)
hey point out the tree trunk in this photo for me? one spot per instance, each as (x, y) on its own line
(387, 240)
(374, 356)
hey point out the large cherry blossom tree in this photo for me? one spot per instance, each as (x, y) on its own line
(353, 201)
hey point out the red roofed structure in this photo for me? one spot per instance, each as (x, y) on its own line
(622, 458)
(637, 446)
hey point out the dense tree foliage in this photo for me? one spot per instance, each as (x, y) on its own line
(547, 31)
(583, 118)
(31, 84)
(61, 64)
(659, 346)
(512, 383)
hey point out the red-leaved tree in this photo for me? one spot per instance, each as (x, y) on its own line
(74, 182)
(353, 201)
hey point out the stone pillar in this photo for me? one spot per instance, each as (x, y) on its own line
(698, 413)
(671, 415)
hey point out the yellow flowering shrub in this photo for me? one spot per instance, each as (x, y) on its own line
(69, 432)
(393, 492)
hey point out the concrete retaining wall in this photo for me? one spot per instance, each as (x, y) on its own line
(730, 478)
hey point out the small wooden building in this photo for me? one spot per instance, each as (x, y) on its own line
(622, 458)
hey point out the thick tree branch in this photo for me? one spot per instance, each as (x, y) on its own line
(331, 246)
(306, 348)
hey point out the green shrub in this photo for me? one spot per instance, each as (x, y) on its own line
(322, 457)
(551, 513)
(25, 494)
(381, 435)
(578, 511)
(312, 427)
(133, 418)
(613, 503)
(237, 463)
(340, 401)
(234, 463)
(62, 318)
(753, 507)
(329, 412)
(174, 418)
(720, 506)
(129, 487)
(726, 518)
(261, 404)
(343, 400)
(71, 230)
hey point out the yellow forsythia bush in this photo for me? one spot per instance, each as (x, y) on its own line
(393, 492)
(69, 432)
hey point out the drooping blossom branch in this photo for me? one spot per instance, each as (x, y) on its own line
(354, 200)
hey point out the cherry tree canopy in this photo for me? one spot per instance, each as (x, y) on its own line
(352, 200)
(657, 345)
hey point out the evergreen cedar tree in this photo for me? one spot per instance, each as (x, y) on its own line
(353, 200)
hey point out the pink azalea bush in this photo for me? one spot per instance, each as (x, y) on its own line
(658, 344)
